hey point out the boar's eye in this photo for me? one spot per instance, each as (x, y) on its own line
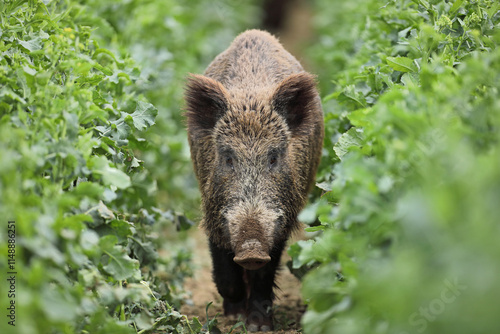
(273, 160)
(227, 158)
(229, 161)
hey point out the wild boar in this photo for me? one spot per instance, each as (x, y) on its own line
(255, 129)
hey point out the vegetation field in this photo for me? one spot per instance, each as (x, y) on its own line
(99, 203)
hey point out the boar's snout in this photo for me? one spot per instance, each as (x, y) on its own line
(251, 255)
(252, 262)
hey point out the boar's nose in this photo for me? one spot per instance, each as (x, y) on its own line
(251, 255)
(252, 262)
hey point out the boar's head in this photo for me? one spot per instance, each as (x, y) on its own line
(252, 153)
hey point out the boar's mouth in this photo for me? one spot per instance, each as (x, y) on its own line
(251, 255)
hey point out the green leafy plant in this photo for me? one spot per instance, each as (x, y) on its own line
(407, 224)
(93, 252)
(91, 148)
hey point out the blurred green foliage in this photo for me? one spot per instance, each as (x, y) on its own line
(408, 233)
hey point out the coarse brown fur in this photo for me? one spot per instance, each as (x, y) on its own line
(255, 128)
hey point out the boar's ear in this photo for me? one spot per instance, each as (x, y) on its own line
(294, 99)
(206, 102)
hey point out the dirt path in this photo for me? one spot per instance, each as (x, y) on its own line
(288, 305)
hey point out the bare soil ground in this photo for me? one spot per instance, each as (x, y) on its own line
(288, 308)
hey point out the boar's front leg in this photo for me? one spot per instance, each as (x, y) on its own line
(228, 277)
(260, 303)
(261, 284)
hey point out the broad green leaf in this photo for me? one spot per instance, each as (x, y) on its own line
(196, 325)
(319, 286)
(326, 186)
(402, 64)
(144, 321)
(105, 212)
(6, 92)
(29, 70)
(88, 189)
(410, 80)
(109, 175)
(144, 115)
(183, 223)
(59, 305)
(350, 139)
(33, 44)
(89, 239)
(119, 228)
(315, 228)
(352, 94)
(456, 5)
(308, 214)
(122, 228)
(119, 129)
(116, 261)
(144, 251)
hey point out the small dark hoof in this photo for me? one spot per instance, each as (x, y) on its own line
(234, 310)
(260, 316)
(261, 323)
(257, 328)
